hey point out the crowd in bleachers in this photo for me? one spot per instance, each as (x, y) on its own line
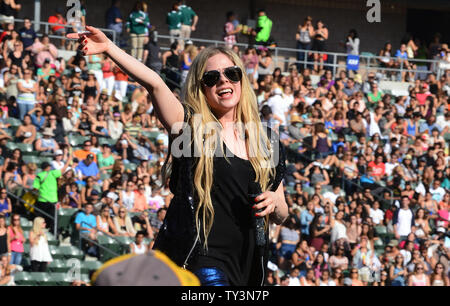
(367, 182)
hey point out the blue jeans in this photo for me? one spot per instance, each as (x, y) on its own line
(302, 56)
(16, 258)
(212, 277)
(24, 109)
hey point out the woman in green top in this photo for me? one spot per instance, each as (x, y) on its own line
(374, 96)
(105, 159)
(95, 65)
(45, 72)
(137, 25)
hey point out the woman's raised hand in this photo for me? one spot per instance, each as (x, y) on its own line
(93, 41)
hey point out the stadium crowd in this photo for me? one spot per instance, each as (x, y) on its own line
(367, 183)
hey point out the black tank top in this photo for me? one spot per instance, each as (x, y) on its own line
(3, 244)
(6, 9)
(90, 91)
(231, 242)
(173, 60)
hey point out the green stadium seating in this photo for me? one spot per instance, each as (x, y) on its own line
(27, 149)
(77, 140)
(23, 279)
(40, 278)
(58, 265)
(28, 159)
(88, 266)
(65, 216)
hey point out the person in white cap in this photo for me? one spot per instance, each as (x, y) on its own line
(58, 162)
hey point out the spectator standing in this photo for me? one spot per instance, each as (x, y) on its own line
(27, 90)
(27, 34)
(173, 21)
(39, 252)
(319, 44)
(114, 19)
(403, 219)
(138, 24)
(263, 28)
(189, 20)
(4, 238)
(352, 42)
(304, 39)
(230, 31)
(47, 185)
(58, 22)
(5, 204)
(16, 240)
(8, 10)
(152, 54)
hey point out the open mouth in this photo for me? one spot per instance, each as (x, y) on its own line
(225, 93)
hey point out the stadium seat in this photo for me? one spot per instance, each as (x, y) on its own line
(130, 166)
(28, 159)
(88, 266)
(11, 145)
(378, 243)
(51, 239)
(26, 224)
(108, 141)
(27, 149)
(58, 265)
(40, 278)
(71, 252)
(59, 279)
(23, 279)
(65, 216)
(77, 140)
(14, 121)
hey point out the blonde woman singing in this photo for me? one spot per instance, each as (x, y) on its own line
(209, 228)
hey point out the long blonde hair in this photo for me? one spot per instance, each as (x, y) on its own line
(37, 227)
(206, 142)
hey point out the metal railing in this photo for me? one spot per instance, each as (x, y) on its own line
(48, 25)
(369, 62)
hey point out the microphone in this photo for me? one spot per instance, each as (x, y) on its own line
(254, 190)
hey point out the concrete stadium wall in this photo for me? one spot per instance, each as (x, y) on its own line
(340, 16)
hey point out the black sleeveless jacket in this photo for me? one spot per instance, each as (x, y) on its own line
(178, 237)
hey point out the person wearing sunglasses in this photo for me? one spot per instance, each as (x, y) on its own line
(419, 278)
(209, 236)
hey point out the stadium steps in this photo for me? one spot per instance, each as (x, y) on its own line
(46, 279)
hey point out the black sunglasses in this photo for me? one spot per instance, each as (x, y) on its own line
(211, 78)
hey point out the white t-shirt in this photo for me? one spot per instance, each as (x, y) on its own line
(294, 281)
(331, 196)
(437, 193)
(376, 215)
(279, 107)
(404, 222)
(339, 231)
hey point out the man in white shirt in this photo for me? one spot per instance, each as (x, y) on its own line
(376, 213)
(279, 106)
(437, 191)
(403, 220)
(332, 196)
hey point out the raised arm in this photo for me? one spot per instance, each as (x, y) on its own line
(168, 109)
